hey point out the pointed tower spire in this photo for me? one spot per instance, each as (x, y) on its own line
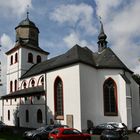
(102, 43)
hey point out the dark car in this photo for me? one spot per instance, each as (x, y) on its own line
(41, 133)
(2, 126)
(113, 135)
(107, 126)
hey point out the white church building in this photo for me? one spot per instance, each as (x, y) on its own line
(75, 88)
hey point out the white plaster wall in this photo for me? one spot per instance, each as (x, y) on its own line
(135, 103)
(12, 109)
(24, 65)
(32, 116)
(21, 105)
(71, 94)
(91, 83)
(0, 110)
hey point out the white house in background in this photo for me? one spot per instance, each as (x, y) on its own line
(75, 88)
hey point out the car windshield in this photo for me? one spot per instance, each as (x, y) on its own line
(117, 125)
(55, 131)
(71, 131)
(41, 128)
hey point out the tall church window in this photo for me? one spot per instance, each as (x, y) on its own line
(16, 57)
(110, 98)
(58, 99)
(30, 57)
(11, 60)
(8, 114)
(27, 116)
(15, 85)
(38, 59)
(39, 116)
(11, 86)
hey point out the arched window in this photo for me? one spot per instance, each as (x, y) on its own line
(30, 57)
(16, 57)
(15, 85)
(38, 59)
(11, 86)
(24, 85)
(110, 98)
(58, 98)
(39, 116)
(33, 83)
(27, 116)
(42, 81)
(9, 115)
(11, 60)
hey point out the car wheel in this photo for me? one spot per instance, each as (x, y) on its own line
(37, 138)
(139, 132)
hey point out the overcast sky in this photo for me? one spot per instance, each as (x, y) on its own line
(64, 23)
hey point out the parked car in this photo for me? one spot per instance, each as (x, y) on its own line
(41, 133)
(137, 129)
(68, 134)
(113, 135)
(2, 126)
(105, 126)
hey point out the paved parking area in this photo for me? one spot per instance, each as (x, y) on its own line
(132, 136)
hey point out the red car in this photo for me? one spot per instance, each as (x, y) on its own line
(68, 134)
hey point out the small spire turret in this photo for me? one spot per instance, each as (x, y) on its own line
(102, 43)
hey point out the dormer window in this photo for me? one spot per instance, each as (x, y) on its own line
(30, 57)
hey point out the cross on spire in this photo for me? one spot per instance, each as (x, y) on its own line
(27, 11)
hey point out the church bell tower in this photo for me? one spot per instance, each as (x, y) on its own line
(25, 53)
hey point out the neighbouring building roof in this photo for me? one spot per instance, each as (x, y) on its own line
(100, 60)
(34, 91)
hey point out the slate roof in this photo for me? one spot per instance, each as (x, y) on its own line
(106, 59)
(27, 23)
(25, 92)
(29, 46)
